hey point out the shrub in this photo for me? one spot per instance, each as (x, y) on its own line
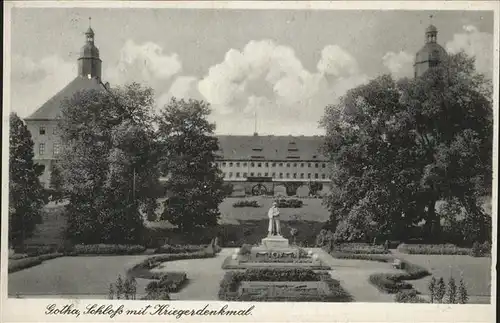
(440, 290)
(20, 264)
(408, 296)
(432, 289)
(452, 291)
(246, 203)
(463, 296)
(480, 250)
(123, 289)
(18, 256)
(33, 251)
(245, 249)
(392, 283)
(178, 248)
(360, 249)
(372, 257)
(289, 203)
(433, 249)
(476, 249)
(108, 249)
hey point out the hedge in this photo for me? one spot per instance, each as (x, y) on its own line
(289, 203)
(355, 256)
(409, 296)
(433, 249)
(179, 248)
(17, 265)
(229, 285)
(360, 249)
(246, 203)
(108, 249)
(393, 283)
(170, 282)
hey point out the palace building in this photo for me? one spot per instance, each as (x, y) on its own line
(252, 164)
(43, 122)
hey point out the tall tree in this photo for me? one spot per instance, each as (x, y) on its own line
(195, 184)
(26, 195)
(109, 163)
(398, 147)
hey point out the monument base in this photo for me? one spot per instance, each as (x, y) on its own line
(275, 242)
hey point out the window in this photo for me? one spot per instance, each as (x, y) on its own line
(273, 175)
(281, 164)
(316, 165)
(301, 175)
(224, 175)
(244, 164)
(223, 164)
(323, 176)
(259, 164)
(287, 164)
(57, 148)
(230, 174)
(308, 164)
(273, 164)
(294, 175)
(238, 164)
(281, 175)
(266, 174)
(42, 130)
(252, 164)
(301, 164)
(231, 164)
(309, 175)
(237, 175)
(294, 164)
(41, 149)
(251, 174)
(316, 175)
(244, 175)
(323, 165)
(259, 174)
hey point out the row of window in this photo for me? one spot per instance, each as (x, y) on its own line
(56, 149)
(252, 164)
(42, 130)
(273, 175)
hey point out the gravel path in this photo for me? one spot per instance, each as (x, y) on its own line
(204, 276)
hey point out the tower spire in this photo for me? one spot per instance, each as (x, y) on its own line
(89, 63)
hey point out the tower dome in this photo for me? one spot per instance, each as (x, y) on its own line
(431, 54)
(89, 63)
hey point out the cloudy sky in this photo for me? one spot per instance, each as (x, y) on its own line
(283, 66)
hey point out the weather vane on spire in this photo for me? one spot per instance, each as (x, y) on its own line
(430, 18)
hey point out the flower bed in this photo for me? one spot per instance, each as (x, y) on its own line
(433, 249)
(360, 249)
(393, 283)
(179, 248)
(230, 284)
(246, 203)
(355, 256)
(290, 203)
(171, 282)
(108, 249)
(23, 263)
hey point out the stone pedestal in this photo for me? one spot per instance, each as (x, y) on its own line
(275, 242)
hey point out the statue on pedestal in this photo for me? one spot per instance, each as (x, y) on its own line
(274, 220)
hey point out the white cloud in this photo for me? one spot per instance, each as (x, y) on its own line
(474, 43)
(144, 63)
(337, 62)
(399, 64)
(34, 82)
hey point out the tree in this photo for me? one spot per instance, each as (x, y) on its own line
(195, 184)
(56, 183)
(400, 146)
(26, 194)
(109, 163)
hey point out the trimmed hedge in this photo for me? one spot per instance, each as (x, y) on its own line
(179, 248)
(433, 249)
(393, 283)
(230, 283)
(356, 256)
(409, 296)
(108, 249)
(20, 264)
(171, 282)
(360, 249)
(246, 203)
(289, 203)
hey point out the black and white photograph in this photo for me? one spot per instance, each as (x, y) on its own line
(171, 153)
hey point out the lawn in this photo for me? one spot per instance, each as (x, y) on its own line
(476, 271)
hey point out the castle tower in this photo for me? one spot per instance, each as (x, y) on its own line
(431, 54)
(89, 63)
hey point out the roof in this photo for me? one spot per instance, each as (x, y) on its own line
(430, 52)
(51, 109)
(431, 29)
(271, 147)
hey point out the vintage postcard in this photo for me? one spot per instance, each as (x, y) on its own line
(220, 161)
